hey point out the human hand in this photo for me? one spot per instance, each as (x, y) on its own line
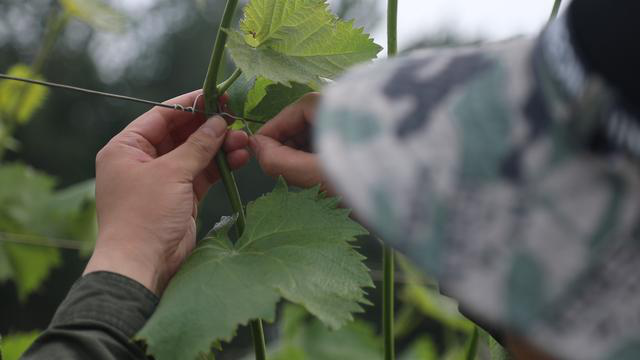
(149, 180)
(283, 145)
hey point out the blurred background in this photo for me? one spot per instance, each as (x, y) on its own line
(156, 49)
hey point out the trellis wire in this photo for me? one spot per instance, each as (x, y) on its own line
(178, 107)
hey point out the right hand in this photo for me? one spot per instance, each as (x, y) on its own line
(149, 181)
(283, 145)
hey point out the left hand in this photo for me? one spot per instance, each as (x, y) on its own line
(149, 180)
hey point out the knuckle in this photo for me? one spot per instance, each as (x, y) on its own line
(202, 145)
(103, 154)
(310, 98)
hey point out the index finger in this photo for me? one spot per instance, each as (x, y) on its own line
(157, 123)
(292, 120)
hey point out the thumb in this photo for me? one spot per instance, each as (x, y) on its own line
(298, 167)
(197, 151)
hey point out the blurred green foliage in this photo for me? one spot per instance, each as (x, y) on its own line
(12, 346)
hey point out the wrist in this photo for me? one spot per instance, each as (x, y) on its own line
(122, 258)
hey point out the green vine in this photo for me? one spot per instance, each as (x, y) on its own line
(211, 94)
(555, 10)
(388, 281)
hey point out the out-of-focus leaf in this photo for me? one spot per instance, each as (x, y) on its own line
(30, 209)
(96, 13)
(6, 273)
(305, 338)
(296, 245)
(30, 265)
(297, 41)
(285, 353)
(436, 306)
(355, 341)
(421, 349)
(73, 212)
(406, 320)
(471, 347)
(496, 351)
(429, 301)
(14, 345)
(18, 100)
(24, 193)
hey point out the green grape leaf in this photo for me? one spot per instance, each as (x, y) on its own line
(496, 351)
(429, 301)
(96, 13)
(13, 346)
(19, 101)
(297, 41)
(422, 348)
(276, 97)
(261, 99)
(31, 215)
(308, 339)
(30, 264)
(256, 94)
(23, 194)
(295, 246)
(238, 94)
(72, 215)
(471, 347)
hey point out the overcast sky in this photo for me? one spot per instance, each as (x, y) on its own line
(488, 19)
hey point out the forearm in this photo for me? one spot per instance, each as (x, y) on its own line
(97, 320)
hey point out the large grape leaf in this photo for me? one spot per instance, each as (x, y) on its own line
(297, 41)
(295, 246)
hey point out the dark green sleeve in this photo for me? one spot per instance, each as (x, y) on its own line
(97, 320)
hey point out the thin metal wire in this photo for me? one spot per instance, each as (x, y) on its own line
(178, 107)
(39, 240)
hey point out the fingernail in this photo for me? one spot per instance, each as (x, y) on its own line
(216, 125)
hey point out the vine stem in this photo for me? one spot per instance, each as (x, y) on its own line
(388, 280)
(387, 303)
(211, 95)
(555, 10)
